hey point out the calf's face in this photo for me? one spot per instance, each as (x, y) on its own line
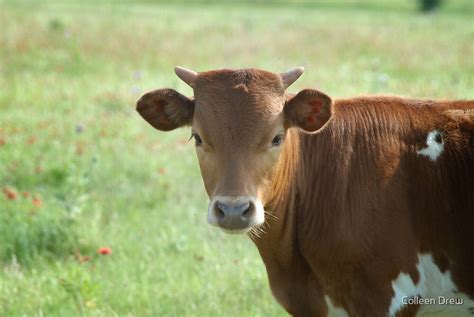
(239, 120)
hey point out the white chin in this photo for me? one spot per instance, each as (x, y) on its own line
(236, 231)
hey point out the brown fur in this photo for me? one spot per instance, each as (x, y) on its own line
(367, 204)
(350, 207)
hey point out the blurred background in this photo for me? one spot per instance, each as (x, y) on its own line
(100, 215)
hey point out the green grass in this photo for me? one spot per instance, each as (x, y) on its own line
(70, 74)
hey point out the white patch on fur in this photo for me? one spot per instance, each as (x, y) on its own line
(433, 149)
(403, 287)
(260, 212)
(431, 285)
(334, 311)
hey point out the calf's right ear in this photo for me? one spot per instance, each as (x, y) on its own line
(166, 109)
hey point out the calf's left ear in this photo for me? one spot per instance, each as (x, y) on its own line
(309, 110)
(166, 109)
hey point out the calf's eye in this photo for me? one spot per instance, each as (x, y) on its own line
(197, 139)
(277, 140)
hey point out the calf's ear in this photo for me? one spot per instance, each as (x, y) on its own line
(309, 110)
(166, 109)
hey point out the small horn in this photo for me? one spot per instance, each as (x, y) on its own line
(291, 76)
(186, 75)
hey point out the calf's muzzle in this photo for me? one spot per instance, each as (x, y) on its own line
(233, 214)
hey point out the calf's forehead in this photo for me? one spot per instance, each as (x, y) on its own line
(238, 86)
(237, 100)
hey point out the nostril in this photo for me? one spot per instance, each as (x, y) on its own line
(248, 212)
(219, 210)
(243, 208)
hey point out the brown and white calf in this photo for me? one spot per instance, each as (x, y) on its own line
(360, 206)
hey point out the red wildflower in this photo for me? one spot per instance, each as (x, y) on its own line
(37, 202)
(161, 170)
(2, 142)
(25, 194)
(10, 193)
(104, 251)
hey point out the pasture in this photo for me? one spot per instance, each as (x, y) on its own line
(80, 171)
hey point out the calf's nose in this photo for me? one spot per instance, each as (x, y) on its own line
(234, 213)
(232, 210)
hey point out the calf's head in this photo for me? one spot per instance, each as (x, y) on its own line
(239, 120)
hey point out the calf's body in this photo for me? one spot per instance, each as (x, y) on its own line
(365, 206)
(358, 207)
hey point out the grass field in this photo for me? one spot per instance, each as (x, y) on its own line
(80, 170)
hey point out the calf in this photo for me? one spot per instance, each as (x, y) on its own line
(360, 206)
